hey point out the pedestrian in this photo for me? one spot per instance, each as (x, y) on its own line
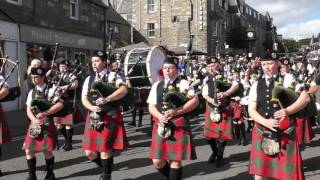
(43, 140)
(104, 128)
(171, 136)
(275, 151)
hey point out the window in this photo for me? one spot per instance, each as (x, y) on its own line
(215, 28)
(74, 9)
(18, 2)
(151, 30)
(151, 6)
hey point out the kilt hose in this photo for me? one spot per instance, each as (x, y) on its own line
(47, 140)
(179, 147)
(287, 165)
(304, 130)
(219, 130)
(4, 128)
(112, 136)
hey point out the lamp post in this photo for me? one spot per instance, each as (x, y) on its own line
(251, 37)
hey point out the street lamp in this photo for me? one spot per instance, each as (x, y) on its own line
(251, 36)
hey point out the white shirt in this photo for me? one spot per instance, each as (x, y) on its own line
(111, 76)
(288, 80)
(152, 98)
(253, 90)
(2, 81)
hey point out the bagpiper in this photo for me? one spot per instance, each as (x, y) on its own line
(64, 124)
(4, 129)
(171, 136)
(218, 126)
(41, 136)
(104, 128)
(274, 151)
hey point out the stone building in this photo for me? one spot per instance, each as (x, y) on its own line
(30, 28)
(170, 23)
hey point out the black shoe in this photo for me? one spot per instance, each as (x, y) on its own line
(244, 142)
(50, 176)
(0, 173)
(68, 146)
(238, 141)
(220, 161)
(212, 158)
(139, 124)
(132, 123)
(105, 177)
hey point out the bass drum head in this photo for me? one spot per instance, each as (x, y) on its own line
(154, 64)
(147, 71)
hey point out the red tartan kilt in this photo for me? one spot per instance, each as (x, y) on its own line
(220, 130)
(47, 142)
(67, 120)
(286, 166)
(5, 136)
(113, 135)
(237, 110)
(304, 131)
(179, 148)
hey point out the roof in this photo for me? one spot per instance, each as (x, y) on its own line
(133, 46)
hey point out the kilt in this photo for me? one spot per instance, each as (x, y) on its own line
(304, 130)
(286, 165)
(178, 148)
(220, 130)
(67, 120)
(4, 128)
(112, 136)
(45, 142)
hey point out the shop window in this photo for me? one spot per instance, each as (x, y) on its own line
(151, 30)
(18, 2)
(151, 6)
(74, 9)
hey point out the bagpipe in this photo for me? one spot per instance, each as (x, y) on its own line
(14, 92)
(101, 88)
(216, 112)
(281, 98)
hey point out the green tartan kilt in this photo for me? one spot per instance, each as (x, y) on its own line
(287, 165)
(178, 148)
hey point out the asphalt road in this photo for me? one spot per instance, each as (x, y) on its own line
(133, 163)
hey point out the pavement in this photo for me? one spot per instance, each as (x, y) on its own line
(134, 163)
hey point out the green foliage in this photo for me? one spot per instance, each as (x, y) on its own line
(293, 46)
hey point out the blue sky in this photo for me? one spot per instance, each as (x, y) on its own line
(294, 18)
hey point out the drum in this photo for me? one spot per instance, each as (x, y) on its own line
(143, 73)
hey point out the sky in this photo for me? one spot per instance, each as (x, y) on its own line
(295, 19)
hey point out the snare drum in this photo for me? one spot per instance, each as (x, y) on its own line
(147, 71)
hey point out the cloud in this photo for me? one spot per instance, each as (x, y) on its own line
(286, 11)
(294, 18)
(300, 30)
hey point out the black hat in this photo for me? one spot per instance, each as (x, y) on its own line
(65, 62)
(271, 55)
(212, 60)
(100, 54)
(38, 71)
(171, 60)
(285, 60)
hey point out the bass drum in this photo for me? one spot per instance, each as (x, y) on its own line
(147, 71)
